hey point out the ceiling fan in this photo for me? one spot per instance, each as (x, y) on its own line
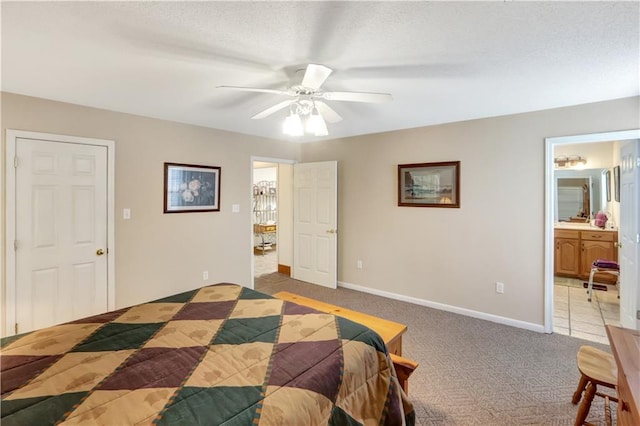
(307, 100)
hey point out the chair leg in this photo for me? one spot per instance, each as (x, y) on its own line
(577, 395)
(585, 406)
(590, 289)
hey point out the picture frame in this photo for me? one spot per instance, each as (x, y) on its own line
(616, 183)
(607, 184)
(429, 184)
(191, 188)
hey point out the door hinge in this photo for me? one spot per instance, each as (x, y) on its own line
(15, 162)
(638, 315)
(15, 245)
(16, 329)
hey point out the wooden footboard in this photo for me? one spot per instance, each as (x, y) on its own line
(390, 331)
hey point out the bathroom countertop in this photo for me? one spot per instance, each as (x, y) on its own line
(580, 226)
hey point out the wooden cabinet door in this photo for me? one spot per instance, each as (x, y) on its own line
(593, 250)
(567, 257)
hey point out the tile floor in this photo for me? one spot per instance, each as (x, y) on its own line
(265, 264)
(574, 316)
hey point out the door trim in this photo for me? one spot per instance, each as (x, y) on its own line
(549, 205)
(12, 136)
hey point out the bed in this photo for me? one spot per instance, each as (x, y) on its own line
(221, 354)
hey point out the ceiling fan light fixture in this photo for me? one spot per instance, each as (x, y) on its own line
(316, 124)
(293, 125)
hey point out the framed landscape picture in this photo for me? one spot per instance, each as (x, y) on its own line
(429, 184)
(191, 188)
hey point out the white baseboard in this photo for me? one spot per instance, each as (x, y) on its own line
(443, 307)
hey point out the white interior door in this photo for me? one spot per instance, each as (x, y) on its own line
(629, 234)
(61, 232)
(315, 217)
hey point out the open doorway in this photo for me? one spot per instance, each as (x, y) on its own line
(573, 241)
(265, 217)
(271, 218)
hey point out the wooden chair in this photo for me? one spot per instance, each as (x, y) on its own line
(597, 368)
(602, 266)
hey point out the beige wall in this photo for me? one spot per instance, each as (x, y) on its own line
(448, 256)
(455, 256)
(160, 254)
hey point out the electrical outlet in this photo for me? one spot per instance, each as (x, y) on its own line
(499, 287)
(205, 275)
(359, 264)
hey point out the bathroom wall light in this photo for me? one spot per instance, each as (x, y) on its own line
(574, 161)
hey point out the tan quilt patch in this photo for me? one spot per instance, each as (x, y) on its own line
(75, 372)
(179, 334)
(292, 406)
(139, 407)
(51, 341)
(219, 293)
(150, 313)
(375, 380)
(256, 308)
(307, 328)
(233, 365)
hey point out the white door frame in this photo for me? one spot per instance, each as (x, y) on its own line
(549, 205)
(12, 136)
(253, 159)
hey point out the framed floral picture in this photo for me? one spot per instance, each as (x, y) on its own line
(429, 184)
(191, 188)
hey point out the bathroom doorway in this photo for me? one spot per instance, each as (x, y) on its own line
(571, 236)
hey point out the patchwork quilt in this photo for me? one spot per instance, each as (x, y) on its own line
(218, 355)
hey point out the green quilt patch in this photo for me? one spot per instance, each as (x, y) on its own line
(118, 336)
(213, 406)
(245, 330)
(39, 411)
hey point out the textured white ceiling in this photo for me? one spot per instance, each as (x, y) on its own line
(441, 61)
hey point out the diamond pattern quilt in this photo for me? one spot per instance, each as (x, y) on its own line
(218, 355)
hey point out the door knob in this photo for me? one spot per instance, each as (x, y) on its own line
(332, 231)
(99, 252)
(617, 245)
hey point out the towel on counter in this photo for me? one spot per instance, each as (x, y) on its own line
(600, 220)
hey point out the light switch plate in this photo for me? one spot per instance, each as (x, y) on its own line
(235, 208)
(126, 214)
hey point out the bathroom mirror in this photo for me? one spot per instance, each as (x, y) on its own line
(579, 194)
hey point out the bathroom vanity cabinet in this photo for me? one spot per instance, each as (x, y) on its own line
(567, 255)
(576, 250)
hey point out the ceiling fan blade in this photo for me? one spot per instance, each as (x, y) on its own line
(327, 112)
(255, 89)
(357, 97)
(315, 75)
(267, 112)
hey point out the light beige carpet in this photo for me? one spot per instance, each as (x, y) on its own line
(472, 372)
